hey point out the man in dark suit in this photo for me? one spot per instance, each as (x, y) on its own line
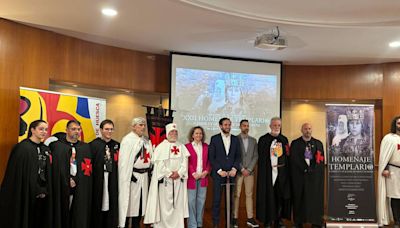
(225, 158)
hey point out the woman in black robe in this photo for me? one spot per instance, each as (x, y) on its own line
(25, 194)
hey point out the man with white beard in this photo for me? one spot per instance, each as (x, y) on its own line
(167, 206)
(133, 167)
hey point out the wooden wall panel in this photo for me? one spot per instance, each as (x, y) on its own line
(379, 132)
(31, 57)
(391, 95)
(332, 82)
(99, 65)
(8, 95)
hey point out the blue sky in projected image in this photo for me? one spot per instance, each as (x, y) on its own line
(249, 83)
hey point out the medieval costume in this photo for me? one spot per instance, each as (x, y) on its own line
(168, 198)
(307, 169)
(133, 175)
(273, 181)
(25, 195)
(105, 183)
(72, 204)
(389, 187)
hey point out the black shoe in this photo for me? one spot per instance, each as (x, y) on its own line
(234, 223)
(278, 224)
(315, 226)
(267, 225)
(252, 223)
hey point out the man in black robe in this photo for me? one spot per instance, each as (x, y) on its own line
(72, 179)
(307, 169)
(105, 153)
(25, 194)
(273, 180)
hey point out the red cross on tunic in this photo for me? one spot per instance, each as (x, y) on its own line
(116, 155)
(175, 150)
(86, 166)
(319, 157)
(398, 146)
(146, 156)
(287, 148)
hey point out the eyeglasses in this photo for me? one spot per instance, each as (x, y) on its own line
(75, 129)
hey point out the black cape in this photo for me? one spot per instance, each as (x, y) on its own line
(307, 182)
(19, 207)
(79, 214)
(266, 205)
(97, 147)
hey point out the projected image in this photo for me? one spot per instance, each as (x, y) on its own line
(203, 97)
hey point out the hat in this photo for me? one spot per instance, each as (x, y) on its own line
(355, 114)
(138, 120)
(170, 127)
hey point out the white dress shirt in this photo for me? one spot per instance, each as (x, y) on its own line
(227, 142)
(198, 148)
(245, 140)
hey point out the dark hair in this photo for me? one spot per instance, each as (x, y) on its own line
(190, 135)
(34, 125)
(241, 94)
(393, 126)
(73, 121)
(242, 121)
(106, 121)
(364, 130)
(223, 119)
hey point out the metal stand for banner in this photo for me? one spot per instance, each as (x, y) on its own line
(348, 225)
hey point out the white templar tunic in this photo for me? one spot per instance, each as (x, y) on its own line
(388, 187)
(168, 206)
(135, 152)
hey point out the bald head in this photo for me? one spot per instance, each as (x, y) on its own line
(306, 130)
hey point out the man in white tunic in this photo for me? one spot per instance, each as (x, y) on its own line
(389, 176)
(133, 179)
(168, 206)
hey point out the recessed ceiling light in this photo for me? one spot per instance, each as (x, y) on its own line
(109, 12)
(394, 44)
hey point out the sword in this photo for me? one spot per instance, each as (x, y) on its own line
(228, 201)
(173, 193)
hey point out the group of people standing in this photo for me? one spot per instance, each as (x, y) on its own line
(72, 184)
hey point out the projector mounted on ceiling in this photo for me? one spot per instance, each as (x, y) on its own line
(270, 41)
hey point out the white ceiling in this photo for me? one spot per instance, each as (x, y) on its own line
(318, 32)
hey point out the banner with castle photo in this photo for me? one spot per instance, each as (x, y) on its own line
(350, 143)
(57, 109)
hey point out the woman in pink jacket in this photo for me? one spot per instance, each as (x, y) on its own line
(199, 168)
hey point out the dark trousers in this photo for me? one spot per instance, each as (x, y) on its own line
(39, 214)
(282, 206)
(395, 205)
(218, 190)
(312, 226)
(104, 221)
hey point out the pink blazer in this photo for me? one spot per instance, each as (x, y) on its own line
(191, 182)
